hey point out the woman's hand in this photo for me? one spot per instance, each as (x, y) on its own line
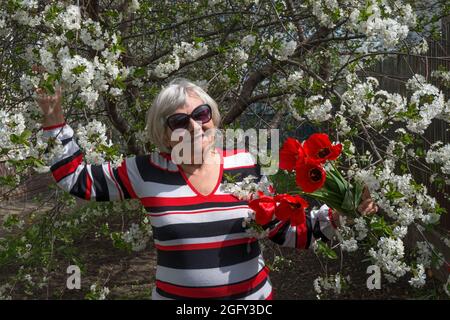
(50, 104)
(367, 205)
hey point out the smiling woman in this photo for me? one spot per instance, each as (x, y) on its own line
(202, 245)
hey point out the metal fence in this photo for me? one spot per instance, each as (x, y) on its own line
(392, 74)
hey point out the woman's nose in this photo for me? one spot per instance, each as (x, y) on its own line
(194, 125)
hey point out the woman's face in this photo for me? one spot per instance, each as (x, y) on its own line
(201, 135)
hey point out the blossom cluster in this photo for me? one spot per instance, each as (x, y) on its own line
(380, 107)
(87, 76)
(182, 53)
(97, 147)
(98, 293)
(280, 46)
(138, 236)
(440, 154)
(319, 108)
(12, 125)
(384, 25)
(331, 284)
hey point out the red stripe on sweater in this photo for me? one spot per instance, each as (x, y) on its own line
(207, 245)
(87, 195)
(214, 292)
(68, 168)
(123, 174)
(197, 211)
(60, 125)
(167, 201)
(275, 230)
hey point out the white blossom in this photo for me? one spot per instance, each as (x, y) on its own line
(419, 278)
(318, 108)
(71, 18)
(440, 155)
(361, 228)
(138, 236)
(389, 255)
(349, 245)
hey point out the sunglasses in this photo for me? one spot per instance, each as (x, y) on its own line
(202, 114)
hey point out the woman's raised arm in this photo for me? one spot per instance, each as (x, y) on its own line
(90, 182)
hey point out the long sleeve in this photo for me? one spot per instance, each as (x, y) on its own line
(317, 226)
(90, 182)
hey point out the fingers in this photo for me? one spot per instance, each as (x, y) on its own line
(39, 91)
(368, 207)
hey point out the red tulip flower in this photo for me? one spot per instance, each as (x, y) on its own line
(290, 153)
(291, 207)
(310, 175)
(318, 147)
(264, 208)
(307, 159)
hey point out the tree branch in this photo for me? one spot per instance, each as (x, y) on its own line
(247, 89)
(122, 126)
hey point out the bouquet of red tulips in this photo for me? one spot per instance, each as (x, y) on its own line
(327, 186)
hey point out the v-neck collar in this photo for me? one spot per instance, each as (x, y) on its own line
(219, 180)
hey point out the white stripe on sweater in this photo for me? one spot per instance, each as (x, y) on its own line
(153, 189)
(196, 216)
(241, 159)
(203, 240)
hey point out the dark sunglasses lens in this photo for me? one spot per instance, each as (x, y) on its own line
(178, 121)
(202, 113)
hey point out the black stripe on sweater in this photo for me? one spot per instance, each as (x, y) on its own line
(280, 236)
(200, 206)
(198, 230)
(208, 258)
(309, 232)
(150, 173)
(237, 175)
(65, 161)
(126, 195)
(318, 233)
(66, 141)
(79, 188)
(100, 185)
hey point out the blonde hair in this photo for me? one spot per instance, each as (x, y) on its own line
(168, 100)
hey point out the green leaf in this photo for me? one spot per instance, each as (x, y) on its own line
(393, 194)
(22, 138)
(9, 181)
(48, 87)
(325, 250)
(78, 70)
(231, 178)
(347, 203)
(139, 72)
(380, 227)
(358, 190)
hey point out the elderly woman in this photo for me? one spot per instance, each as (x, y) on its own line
(202, 248)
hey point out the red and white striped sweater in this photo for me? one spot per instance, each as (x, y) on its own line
(203, 250)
